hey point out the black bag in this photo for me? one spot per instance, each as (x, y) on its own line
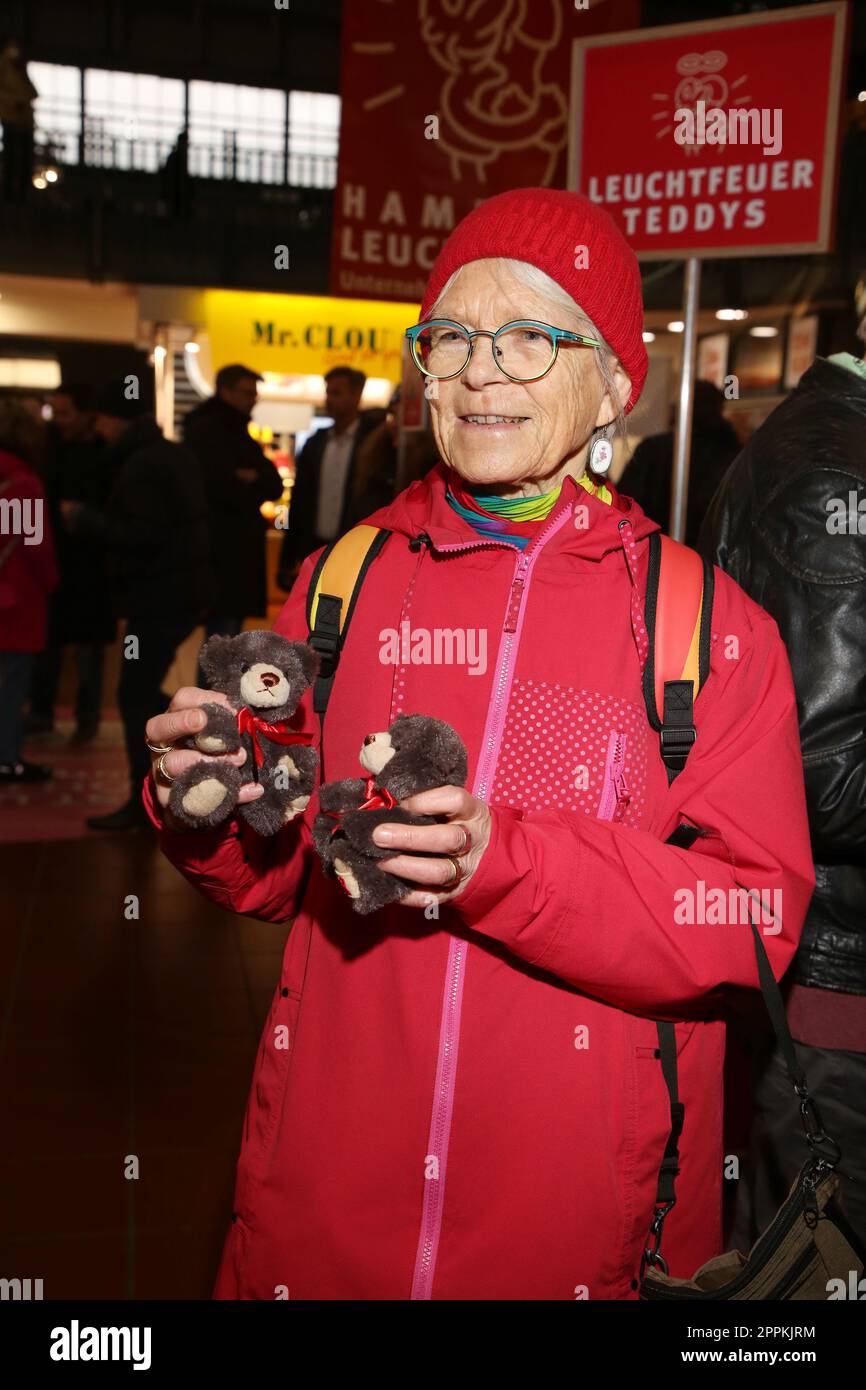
(809, 1242)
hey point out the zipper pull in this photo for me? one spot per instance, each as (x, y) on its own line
(810, 1202)
(623, 795)
(514, 605)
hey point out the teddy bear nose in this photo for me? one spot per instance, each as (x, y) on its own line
(369, 738)
(269, 679)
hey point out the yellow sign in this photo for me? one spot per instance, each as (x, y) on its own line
(306, 335)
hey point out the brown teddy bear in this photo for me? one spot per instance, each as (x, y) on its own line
(414, 755)
(264, 676)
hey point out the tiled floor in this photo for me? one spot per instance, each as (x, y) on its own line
(121, 1038)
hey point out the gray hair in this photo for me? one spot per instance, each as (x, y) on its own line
(533, 278)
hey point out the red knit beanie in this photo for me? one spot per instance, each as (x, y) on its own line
(579, 246)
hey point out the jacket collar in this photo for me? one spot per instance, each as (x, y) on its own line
(423, 507)
(830, 379)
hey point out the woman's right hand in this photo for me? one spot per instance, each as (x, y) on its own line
(185, 717)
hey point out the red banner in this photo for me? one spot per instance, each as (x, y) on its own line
(444, 103)
(726, 143)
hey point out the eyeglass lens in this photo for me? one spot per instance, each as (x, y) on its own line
(522, 352)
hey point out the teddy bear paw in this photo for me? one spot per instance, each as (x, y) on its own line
(288, 763)
(347, 878)
(210, 743)
(204, 797)
(295, 808)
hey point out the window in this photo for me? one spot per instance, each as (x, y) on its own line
(57, 110)
(314, 132)
(132, 120)
(237, 132)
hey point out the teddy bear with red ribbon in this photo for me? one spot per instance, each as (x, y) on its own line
(264, 676)
(415, 754)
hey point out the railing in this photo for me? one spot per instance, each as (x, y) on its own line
(104, 150)
(249, 156)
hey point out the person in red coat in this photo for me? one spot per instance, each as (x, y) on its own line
(28, 573)
(460, 1097)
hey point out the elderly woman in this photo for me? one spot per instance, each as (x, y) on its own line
(471, 1103)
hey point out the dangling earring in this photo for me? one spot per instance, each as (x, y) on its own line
(600, 452)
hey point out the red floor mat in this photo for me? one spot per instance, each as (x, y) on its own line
(88, 780)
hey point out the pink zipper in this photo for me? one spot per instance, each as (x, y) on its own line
(455, 975)
(615, 793)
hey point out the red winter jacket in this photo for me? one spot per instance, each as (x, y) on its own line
(28, 572)
(471, 1107)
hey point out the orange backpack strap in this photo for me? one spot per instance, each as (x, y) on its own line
(679, 606)
(331, 596)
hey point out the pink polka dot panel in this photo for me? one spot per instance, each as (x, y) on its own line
(555, 747)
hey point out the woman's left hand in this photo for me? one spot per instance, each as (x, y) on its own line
(465, 813)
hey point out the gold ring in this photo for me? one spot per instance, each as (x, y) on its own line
(466, 838)
(160, 773)
(458, 872)
(159, 747)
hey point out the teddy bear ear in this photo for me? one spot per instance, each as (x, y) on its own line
(214, 658)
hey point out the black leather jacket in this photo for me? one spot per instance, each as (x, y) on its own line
(774, 526)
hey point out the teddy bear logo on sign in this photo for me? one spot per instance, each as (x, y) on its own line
(701, 80)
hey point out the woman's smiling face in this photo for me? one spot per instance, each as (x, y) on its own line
(547, 422)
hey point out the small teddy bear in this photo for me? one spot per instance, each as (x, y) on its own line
(264, 676)
(414, 755)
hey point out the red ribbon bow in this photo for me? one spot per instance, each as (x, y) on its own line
(375, 799)
(284, 733)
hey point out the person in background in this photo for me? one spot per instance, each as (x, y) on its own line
(647, 475)
(80, 613)
(28, 573)
(155, 527)
(17, 95)
(375, 476)
(238, 479)
(322, 505)
(789, 524)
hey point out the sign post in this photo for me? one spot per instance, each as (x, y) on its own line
(726, 144)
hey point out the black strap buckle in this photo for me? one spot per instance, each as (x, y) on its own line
(327, 644)
(677, 741)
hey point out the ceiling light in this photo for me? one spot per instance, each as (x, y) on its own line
(191, 347)
(731, 315)
(763, 330)
(676, 327)
(648, 337)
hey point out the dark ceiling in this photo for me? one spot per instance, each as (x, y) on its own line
(253, 42)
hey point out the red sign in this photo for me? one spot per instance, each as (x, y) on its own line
(717, 138)
(446, 102)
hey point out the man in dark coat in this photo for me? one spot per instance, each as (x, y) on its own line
(324, 503)
(789, 524)
(80, 612)
(162, 581)
(238, 479)
(647, 476)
